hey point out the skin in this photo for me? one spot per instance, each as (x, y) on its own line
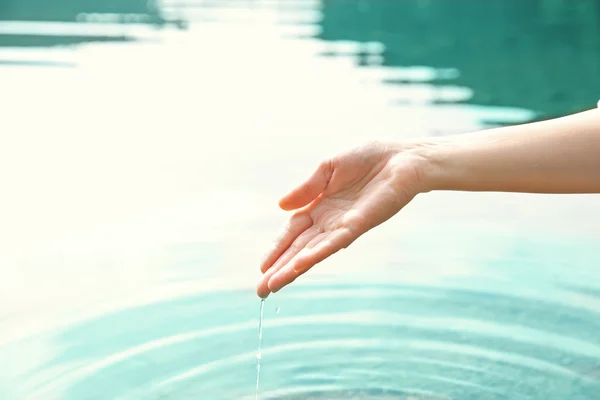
(355, 191)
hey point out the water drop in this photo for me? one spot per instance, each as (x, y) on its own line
(278, 309)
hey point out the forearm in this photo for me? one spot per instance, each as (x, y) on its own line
(555, 156)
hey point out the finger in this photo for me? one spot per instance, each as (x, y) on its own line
(263, 285)
(294, 227)
(302, 240)
(309, 190)
(309, 257)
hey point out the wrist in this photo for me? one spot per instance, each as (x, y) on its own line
(441, 163)
(444, 163)
(415, 165)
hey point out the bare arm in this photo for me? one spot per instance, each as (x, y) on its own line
(556, 156)
(355, 191)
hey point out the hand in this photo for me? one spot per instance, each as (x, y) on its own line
(344, 198)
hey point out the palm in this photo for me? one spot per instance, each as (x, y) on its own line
(342, 200)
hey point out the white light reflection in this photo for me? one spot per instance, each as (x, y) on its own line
(192, 139)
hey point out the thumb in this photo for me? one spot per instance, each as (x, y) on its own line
(310, 189)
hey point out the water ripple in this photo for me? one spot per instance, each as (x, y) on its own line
(503, 332)
(337, 341)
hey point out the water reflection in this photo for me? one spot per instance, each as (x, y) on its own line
(538, 55)
(140, 184)
(34, 23)
(384, 341)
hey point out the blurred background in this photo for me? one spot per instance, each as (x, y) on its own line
(144, 146)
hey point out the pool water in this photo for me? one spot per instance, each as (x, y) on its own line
(143, 148)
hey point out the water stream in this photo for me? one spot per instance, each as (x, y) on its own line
(259, 351)
(141, 166)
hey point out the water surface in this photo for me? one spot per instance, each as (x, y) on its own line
(143, 150)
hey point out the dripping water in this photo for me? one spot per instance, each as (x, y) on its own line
(259, 352)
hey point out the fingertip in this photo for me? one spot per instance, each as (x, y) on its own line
(271, 285)
(280, 279)
(273, 288)
(265, 264)
(285, 203)
(299, 198)
(309, 190)
(276, 287)
(262, 289)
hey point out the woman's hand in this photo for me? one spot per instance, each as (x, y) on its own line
(358, 190)
(345, 197)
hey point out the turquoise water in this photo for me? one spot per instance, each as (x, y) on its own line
(142, 153)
